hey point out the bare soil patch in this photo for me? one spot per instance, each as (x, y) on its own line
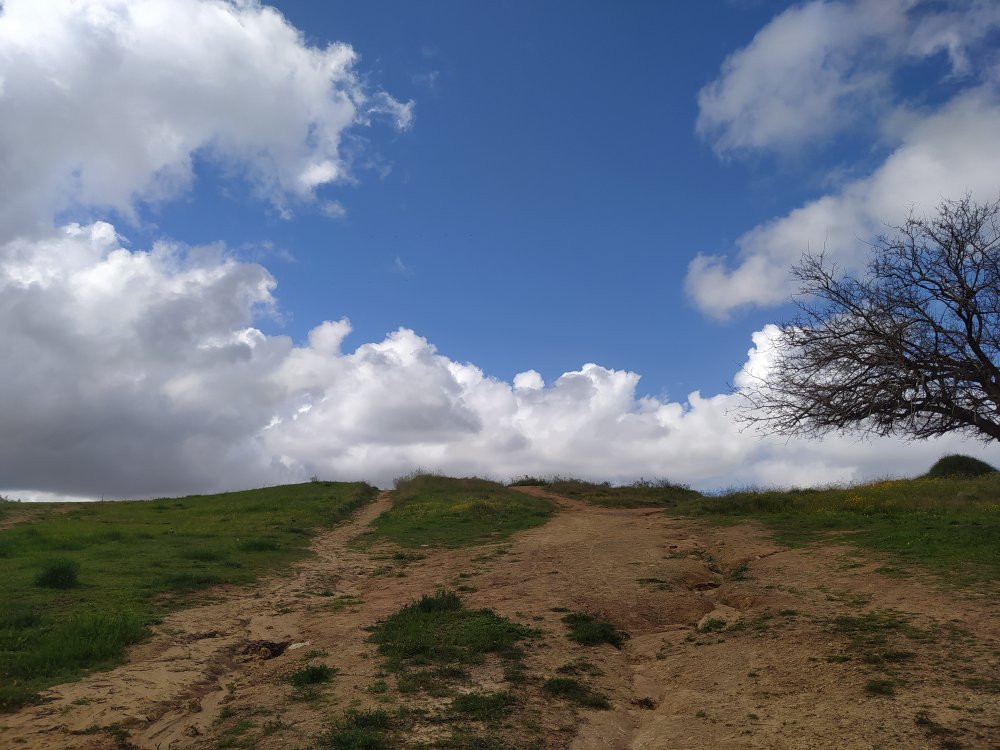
(734, 642)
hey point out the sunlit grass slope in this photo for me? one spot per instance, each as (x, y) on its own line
(445, 512)
(79, 586)
(949, 525)
(640, 494)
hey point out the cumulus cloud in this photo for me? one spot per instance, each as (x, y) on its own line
(108, 102)
(130, 372)
(821, 67)
(142, 371)
(943, 155)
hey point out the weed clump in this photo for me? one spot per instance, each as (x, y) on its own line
(576, 692)
(360, 730)
(587, 630)
(314, 674)
(880, 687)
(484, 706)
(439, 629)
(59, 574)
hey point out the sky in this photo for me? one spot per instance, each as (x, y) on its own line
(244, 244)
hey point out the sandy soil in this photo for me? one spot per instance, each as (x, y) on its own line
(769, 666)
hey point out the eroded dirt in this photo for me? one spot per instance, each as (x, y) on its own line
(786, 646)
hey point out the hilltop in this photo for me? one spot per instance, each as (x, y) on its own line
(461, 613)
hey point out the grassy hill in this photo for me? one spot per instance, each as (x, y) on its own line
(85, 580)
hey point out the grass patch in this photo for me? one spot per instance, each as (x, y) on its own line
(59, 574)
(445, 512)
(439, 629)
(484, 706)
(580, 666)
(880, 687)
(428, 643)
(575, 692)
(947, 525)
(52, 631)
(587, 630)
(314, 674)
(361, 730)
(642, 494)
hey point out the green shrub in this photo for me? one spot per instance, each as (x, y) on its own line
(259, 545)
(61, 573)
(439, 629)
(957, 465)
(576, 692)
(589, 631)
(314, 674)
(484, 706)
(360, 730)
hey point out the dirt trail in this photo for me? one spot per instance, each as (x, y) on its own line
(781, 660)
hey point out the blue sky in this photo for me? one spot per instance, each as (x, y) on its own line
(545, 202)
(559, 231)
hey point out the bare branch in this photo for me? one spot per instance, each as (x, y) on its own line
(912, 348)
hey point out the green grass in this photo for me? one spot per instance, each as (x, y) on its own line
(575, 692)
(484, 706)
(133, 562)
(59, 573)
(361, 730)
(445, 512)
(950, 526)
(315, 674)
(440, 630)
(587, 630)
(641, 494)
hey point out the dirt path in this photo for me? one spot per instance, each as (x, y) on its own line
(786, 646)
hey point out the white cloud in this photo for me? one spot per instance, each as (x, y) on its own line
(137, 372)
(334, 209)
(943, 155)
(130, 372)
(821, 67)
(108, 102)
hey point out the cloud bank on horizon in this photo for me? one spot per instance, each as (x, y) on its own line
(137, 372)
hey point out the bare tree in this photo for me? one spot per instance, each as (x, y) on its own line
(912, 348)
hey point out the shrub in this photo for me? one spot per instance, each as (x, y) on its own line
(575, 692)
(589, 631)
(957, 465)
(484, 706)
(312, 675)
(59, 574)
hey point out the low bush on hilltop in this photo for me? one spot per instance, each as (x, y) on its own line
(959, 466)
